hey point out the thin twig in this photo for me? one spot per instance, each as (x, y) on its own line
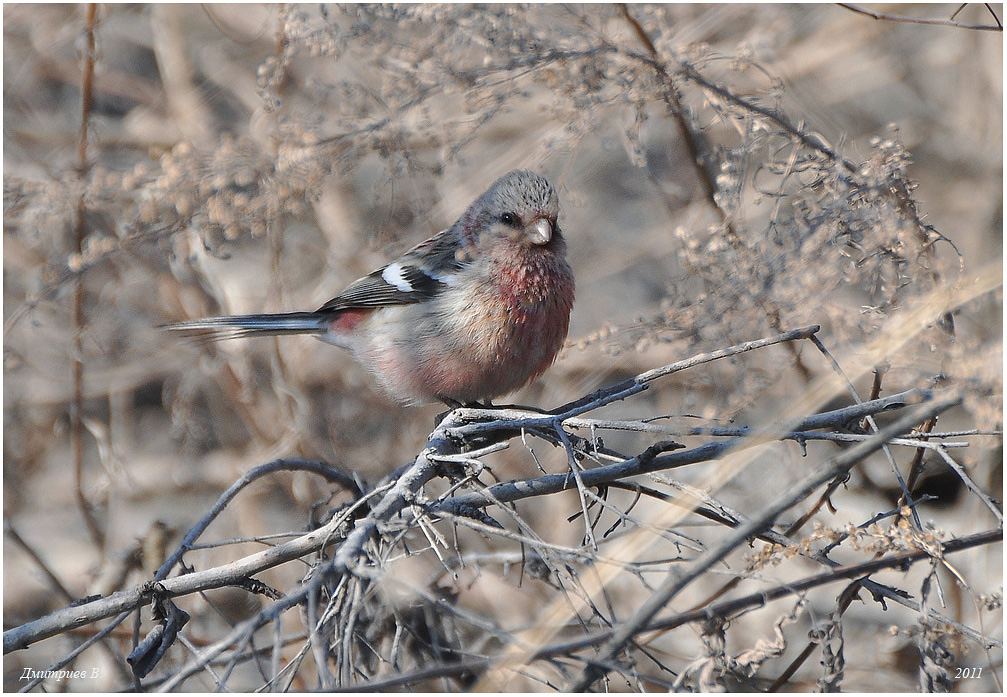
(971, 485)
(54, 581)
(316, 467)
(872, 423)
(726, 432)
(698, 148)
(725, 609)
(679, 578)
(925, 20)
(621, 390)
(553, 483)
(217, 577)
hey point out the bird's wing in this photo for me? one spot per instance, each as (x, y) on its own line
(420, 274)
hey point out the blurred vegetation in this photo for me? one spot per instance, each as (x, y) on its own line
(726, 172)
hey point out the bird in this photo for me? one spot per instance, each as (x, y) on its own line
(477, 311)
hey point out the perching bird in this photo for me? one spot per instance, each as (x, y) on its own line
(474, 312)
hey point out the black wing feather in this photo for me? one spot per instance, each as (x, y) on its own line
(438, 252)
(374, 291)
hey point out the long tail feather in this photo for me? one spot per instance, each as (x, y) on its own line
(233, 327)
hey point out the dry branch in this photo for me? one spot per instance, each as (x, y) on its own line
(403, 499)
(519, 548)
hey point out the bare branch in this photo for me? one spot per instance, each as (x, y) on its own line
(678, 580)
(886, 16)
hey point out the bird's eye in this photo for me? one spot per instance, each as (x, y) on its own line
(508, 219)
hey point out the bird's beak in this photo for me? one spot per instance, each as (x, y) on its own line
(540, 232)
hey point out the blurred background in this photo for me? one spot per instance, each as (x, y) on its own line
(258, 158)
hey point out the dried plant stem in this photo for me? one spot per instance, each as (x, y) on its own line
(54, 581)
(506, 492)
(80, 227)
(697, 193)
(677, 579)
(698, 148)
(871, 422)
(887, 16)
(329, 472)
(726, 608)
(701, 156)
(126, 601)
